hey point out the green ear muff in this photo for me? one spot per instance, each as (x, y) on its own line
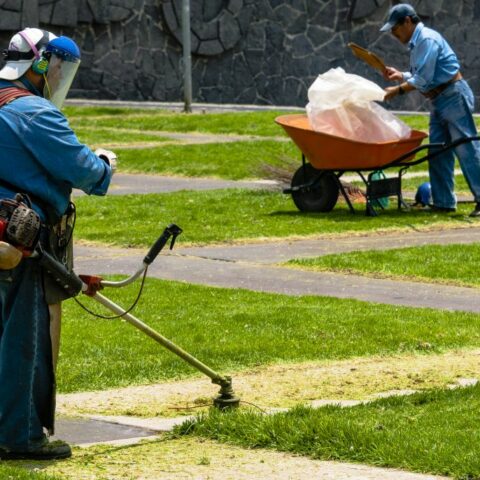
(40, 66)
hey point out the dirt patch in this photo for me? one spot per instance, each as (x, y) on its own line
(284, 385)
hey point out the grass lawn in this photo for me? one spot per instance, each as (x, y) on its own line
(435, 432)
(234, 215)
(233, 161)
(99, 137)
(231, 329)
(453, 264)
(240, 123)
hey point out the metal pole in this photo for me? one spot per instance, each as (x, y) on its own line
(187, 57)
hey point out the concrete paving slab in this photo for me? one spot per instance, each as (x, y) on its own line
(282, 251)
(156, 424)
(88, 431)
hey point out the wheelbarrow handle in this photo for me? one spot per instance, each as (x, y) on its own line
(171, 231)
(435, 149)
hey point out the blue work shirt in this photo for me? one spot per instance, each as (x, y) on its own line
(41, 155)
(432, 60)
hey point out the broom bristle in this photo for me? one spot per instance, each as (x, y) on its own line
(354, 193)
(285, 173)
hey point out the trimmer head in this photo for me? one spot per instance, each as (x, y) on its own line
(226, 398)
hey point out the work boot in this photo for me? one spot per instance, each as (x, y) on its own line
(435, 209)
(476, 211)
(47, 451)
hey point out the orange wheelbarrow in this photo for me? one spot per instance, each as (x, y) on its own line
(316, 185)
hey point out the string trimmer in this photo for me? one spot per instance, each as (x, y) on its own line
(90, 285)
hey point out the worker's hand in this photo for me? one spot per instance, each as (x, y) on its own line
(108, 157)
(390, 92)
(392, 74)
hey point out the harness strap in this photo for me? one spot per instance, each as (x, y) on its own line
(9, 94)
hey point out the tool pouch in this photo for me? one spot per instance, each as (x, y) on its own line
(58, 242)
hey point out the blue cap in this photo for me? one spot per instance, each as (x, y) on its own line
(397, 14)
(65, 48)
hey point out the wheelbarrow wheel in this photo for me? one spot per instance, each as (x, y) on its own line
(322, 196)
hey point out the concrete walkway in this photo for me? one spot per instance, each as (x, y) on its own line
(125, 183)
(252, 267)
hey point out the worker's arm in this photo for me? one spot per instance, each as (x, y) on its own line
(392, 92)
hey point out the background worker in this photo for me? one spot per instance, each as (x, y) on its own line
(41, 157)
(435, 73)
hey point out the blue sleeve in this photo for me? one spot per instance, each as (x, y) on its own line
(424, 62)
(56, 147)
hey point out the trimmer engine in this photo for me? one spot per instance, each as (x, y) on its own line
(19, 224)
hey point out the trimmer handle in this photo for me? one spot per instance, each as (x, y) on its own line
(65, 279)
(171, 231)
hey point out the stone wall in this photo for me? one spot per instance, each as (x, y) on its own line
(243, 51)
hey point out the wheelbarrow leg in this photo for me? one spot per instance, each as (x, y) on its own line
(343, 192)
(401, 201)
(369, 209)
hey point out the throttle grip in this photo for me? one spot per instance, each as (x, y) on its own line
(171, 231)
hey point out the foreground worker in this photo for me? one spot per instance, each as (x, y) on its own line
(435, 73)
(40, 157)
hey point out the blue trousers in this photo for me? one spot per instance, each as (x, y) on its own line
(450, 119)
(26, 370)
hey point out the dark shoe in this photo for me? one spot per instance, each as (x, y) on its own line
(48, 451)
(476, 211)
(435, 209)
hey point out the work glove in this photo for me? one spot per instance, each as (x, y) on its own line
(108, 157)
(9, 256)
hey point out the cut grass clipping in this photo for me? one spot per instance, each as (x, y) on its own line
(453, 264)
(434, 432)
(234, 329)
(10, 472)
(233, 215)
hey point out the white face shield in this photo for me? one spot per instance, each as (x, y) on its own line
(59, 79)
(63, 57)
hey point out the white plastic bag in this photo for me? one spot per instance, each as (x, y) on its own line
(342, 104)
